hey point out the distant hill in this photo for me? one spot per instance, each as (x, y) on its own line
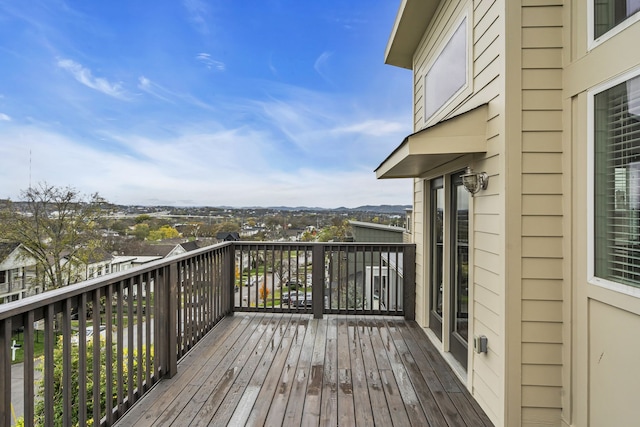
(399, 209)
(387, 209)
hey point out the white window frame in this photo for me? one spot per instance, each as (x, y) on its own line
(465, 90)
(593, 43)
(591, 277)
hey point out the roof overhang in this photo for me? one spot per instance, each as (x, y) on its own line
(411, 22)
(437, 145)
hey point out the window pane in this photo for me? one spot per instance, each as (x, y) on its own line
(448, 73)
(617, 183)
(437, 242)
(609, 13)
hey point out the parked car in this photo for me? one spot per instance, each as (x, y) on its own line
(302, 300)
(288, 297)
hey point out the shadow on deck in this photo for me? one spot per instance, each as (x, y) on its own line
(289, 369)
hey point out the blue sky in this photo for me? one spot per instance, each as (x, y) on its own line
(194, 102)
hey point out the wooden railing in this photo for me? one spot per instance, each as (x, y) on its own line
(117, 335)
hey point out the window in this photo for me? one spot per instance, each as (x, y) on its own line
(607, 14)
(616, 186)
(448, 74)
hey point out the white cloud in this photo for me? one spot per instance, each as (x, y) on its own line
(4, 118)
(84, 76)
(373, 128)
(321, 64)
(198, 12)
(223, 167)
(210, 63)
(152, 89)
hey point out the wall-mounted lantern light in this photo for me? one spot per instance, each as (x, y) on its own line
(474, 181)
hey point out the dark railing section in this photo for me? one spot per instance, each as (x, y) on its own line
(345, 278)
(92, 349)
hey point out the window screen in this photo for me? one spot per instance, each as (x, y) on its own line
(617, 183)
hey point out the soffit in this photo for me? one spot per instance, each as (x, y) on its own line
(411, 23)
(437, 145)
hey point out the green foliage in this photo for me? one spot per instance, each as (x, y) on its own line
(143, 218)
(39, 409)
(57, 227)
(141, 231)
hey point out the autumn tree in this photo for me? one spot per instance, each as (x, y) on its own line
(59, 229)
(164, 232)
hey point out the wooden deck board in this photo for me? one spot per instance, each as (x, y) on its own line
(290, 370)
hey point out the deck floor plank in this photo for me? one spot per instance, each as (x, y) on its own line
(288, 369)
(241, 367)
(311, 400)
(361, 401)
(277, 409)
(295, 404)
(379, 406)
(270, 384)
(346, 406)
(148, 411)
(329, 400)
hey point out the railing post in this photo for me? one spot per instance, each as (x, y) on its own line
(409, 282)
(172, 329)
(228, 290)
(317, 281)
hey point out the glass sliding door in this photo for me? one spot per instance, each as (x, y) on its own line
(437, 259)
(459, 295)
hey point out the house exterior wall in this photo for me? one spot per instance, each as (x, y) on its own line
(604, 375)
(541, 193)
(563, 347)
(484, 374)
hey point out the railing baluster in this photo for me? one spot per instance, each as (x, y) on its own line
(148, 292)
(130, 296)
(5, 371)
(29, 379)
(49, 344)
(139, 354)
(96, 357)
(120, 348)
(66, 363)
(82, 359)
(108, 321)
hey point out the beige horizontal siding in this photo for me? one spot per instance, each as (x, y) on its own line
(542, 184)
(542, 225)
(547, 204)
(541, 396)
(542, 141)
(549, 332)
(540, 417)
(542, 311)
(542, 57)
(534, 353)
(541, 37)
(542, 268)
(537, 163)
(542, 247)
(542, 375)
(542, 289)
(542, 210)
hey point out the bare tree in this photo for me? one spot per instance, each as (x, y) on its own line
(58, 227)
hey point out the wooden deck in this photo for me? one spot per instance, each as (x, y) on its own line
(282, 369)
